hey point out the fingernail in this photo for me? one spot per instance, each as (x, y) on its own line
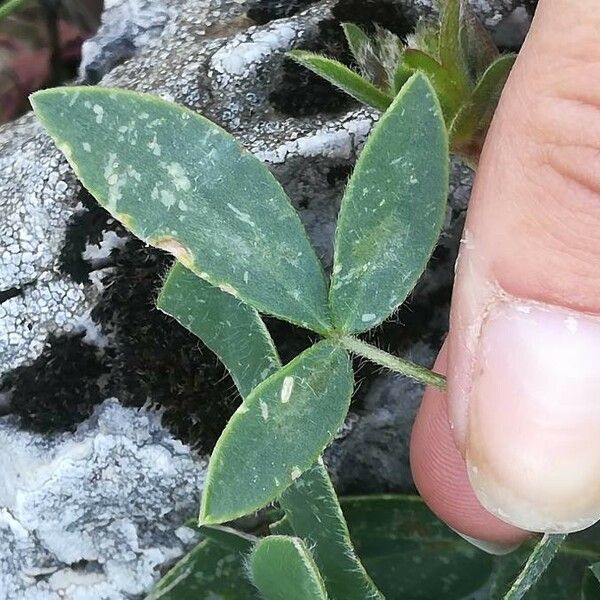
(490, 547)
(533, 441)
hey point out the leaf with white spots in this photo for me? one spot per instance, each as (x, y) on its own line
(260, 453)
(181, 183)
(392, 211)
(232, 330)
(283, 569)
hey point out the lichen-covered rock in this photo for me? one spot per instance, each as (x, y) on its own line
(93, 514)
(77, 323)
(126, 28)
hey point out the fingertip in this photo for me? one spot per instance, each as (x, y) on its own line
(440, 475)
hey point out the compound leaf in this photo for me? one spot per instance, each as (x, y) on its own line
(181, 183)
(283, 569)
(313, 510)
(261, 453)
(392, 211)
(232, 330)
(341, 76)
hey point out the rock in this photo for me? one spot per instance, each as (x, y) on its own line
(93, 514)
(126, 28)
(77, 323)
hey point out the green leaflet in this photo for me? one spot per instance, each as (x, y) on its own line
(209, 572)
(313, 510)
(362, 48)
(11, 6)
(260, 452)
(450, 48)
(536, 564)
(237, 335)
(283, 569)
(232, 330)
(341, 76)
(477, 45)
(426, 38)
(401, 75)
(181, 183)
(471, 123)
(392, 211)
(590, 588)
(595, 568)
(449, 96)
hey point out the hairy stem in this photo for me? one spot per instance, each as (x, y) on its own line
(393, 363)
(11, 6)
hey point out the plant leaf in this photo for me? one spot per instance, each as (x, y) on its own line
(595, 568)
(410, 553)
(568, 576)
(397, 534)
(208, 572)
(365, 54)
(448, 94)
(181, 183)
(450, 49)
(478, 47)
(283, 569)
(426, 37)
(358, 40)
(401, 75)
(590, 587)
(11, 6)
(392, 211)
(538, 562)
(471, 123)
(313, 510)
(232, 330)
(341, 76)
(260, 452)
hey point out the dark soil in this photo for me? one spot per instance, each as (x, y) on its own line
(300, 92)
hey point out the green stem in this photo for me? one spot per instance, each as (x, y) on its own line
(536, 564)
(393, 363)
(10, 7)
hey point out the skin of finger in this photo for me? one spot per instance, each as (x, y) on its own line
(440, 473)
(534, 216)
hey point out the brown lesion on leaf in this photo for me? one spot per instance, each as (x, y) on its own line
(174, 247)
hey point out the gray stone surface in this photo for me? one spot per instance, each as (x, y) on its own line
(93, 514)
(126, 28)
(97, 513)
